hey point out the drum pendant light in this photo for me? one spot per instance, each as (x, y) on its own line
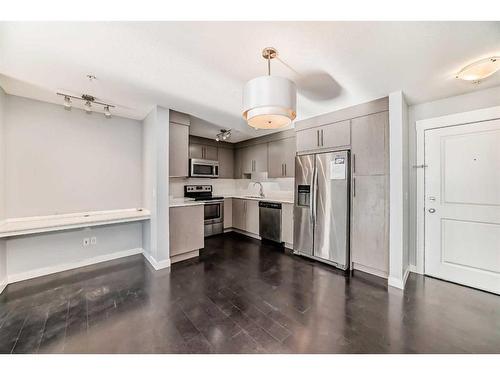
(269, 102)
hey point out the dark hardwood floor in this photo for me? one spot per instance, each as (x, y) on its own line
(241, 296)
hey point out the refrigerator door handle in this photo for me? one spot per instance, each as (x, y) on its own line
(314, 195)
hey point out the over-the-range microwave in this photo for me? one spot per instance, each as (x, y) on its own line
(203, 168)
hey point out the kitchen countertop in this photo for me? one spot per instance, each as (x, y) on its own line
(182, 202)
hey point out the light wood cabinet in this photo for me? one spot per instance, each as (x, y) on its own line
(287, 224)
(281, 155)
(252, 216)
(369, 150)
(254, 158)
(239, 217)
(369, 224)
(186, 231)
(178, 150)
(199, 151)
(323, 137)
(246, 215)
(226, 162)
(228, 213)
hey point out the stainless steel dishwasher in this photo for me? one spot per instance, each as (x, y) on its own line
(270, 221)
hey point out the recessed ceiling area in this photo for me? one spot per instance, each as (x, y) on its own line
(200, 68)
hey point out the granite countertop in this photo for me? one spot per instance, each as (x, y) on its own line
(183, 202)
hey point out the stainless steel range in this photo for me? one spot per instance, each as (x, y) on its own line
(214, 207)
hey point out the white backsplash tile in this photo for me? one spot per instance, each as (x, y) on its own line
(273, 187)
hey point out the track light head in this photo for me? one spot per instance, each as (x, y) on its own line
(67, 103)
(88, 107)
(107, 112)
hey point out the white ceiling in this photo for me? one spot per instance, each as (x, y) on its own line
(201, 67)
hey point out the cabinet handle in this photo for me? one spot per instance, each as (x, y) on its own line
(353, 163)
(285, 170)
(354, 186)
(317, 137)
(322, 144)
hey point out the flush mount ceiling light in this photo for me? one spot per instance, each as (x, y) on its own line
(269, 102)
(224, 135)
(89, 102)
(480, 69)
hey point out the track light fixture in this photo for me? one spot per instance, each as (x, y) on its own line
(67, 103)
(224, 135)
(89, 100)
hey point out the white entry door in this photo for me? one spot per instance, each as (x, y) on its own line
(462, 204)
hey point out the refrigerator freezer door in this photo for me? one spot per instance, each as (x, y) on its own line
(332, 207)
(303, 218)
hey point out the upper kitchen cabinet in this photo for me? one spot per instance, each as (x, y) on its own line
(178, 145)
(333, 135)
(369, 147)
(254, 158)
(201, 151)
(281, 155)
(226, 162)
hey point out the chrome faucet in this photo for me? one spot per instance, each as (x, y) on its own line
(261, 190)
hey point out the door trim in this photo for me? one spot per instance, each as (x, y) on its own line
(485, 114)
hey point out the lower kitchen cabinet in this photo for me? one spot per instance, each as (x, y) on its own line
(246, 215)
(287, 224)
(228, 213)
(369, 231)
(186, 232)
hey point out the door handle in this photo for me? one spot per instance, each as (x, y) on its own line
(354, 186)
(432, 210)
(353, 163)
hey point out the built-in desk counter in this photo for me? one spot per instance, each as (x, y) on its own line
(51, 223)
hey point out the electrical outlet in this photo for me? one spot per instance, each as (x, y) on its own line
(93, 240)
(86, 241)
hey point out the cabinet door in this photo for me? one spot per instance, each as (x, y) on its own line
(186, 229)
(239, 214)
(369, 235)
(228, 213)
(246, 160)
(226, 162)
(287, 224)
(195, 151)
(289, 152)
(259, 157)
(210, 153)
(370, 144)
(308, 139)
(178, 150)
(237, 163)
(252, 216)
(276, 159)
(335, 135)
(281, 155)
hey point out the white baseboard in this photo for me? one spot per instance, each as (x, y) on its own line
(69, 266)
(399, 283)
(413, 268)
(3, 284)
(157, 265)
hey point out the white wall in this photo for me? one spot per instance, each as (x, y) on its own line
(3, 249)
(399, 207)
(156, 186)
(60, 161)
(41, 254)
(456, 104)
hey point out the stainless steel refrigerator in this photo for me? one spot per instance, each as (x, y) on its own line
(321, 210)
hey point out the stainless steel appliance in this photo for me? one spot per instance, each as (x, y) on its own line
(321, 209)
(270, 221)
(214, 207)
(203, 168)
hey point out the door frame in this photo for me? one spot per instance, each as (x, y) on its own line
(485, 114)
